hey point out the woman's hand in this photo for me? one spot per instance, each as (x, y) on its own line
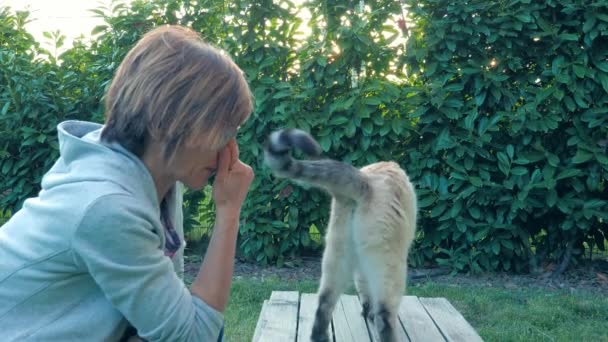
(231, 182)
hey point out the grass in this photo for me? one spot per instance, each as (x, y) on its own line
(497, 314)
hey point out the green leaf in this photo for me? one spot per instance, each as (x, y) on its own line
(582, 156)
(476, 181)
(553, 159)
(282, 94)
(524, 17)
(430, 69)
(536, 176)
(384, 130)
(462, 227)
(373, 101)
(378, 120)
(602, 158)
(7, 166)
(443, 140)
(469, 121)
(99, 12)
(602, 66)
(267, 62)
(580, 101)
(545, 93)
(603, 80)
(339, 120)
(305, 238)
(474, 212)
(551, 198)
(349, 102)
(569, 37)
(495, 247)
(467, 192)
(568, 173)
(454, 87)
(364, 112)
(557, 64)
(594, 204)
(507, 243)
(519, 171)
(579, 70)
(589, 23)
(510, 151)
(480, 98)
(569, 103)
(5, 108)
(397, 125)
(451, 45)
(493, 121)
(98, 29)
(367, 127)
(426, 201)
(325, 143)
(438, 210)
(456, 208)
(503, 163)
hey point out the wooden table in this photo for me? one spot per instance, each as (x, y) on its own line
(288, 316)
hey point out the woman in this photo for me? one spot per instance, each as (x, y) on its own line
(100, 249)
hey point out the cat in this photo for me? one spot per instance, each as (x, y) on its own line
(371, 229)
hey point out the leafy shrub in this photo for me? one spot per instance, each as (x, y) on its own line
(36, 94)
(513, 123)
(497, 109)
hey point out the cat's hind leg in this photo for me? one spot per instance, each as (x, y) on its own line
(337, 270)
(385, 277)
(336, 276)
(364, 296)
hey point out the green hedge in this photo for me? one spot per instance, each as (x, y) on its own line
(35, 94)
(513, 129)
(509, 156)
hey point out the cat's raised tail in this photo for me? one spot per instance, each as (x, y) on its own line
(338, 178)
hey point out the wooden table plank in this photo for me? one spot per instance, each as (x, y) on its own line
(402, 334)
(278, 318)
(451, 323)
(373, 334)
(258, 325)
(286, 316)
(417, 322)
(306, 316)
(349, 324)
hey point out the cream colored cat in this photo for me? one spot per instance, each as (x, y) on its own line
(372, 225)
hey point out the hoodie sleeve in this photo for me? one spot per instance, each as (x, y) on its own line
(116, 243)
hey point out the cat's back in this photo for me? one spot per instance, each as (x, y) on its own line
(388, 176)
(392, 193)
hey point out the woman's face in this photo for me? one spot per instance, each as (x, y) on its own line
(195, 164)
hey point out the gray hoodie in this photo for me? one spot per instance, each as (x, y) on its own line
(85, 258)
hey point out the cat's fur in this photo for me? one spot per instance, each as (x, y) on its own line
(372, 225)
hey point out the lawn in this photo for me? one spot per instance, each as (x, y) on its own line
(497, 314)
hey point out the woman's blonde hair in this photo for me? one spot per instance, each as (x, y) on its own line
(174, 88)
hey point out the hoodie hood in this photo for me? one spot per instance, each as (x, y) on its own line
(85, 158)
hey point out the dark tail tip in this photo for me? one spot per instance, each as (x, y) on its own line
(283, 140)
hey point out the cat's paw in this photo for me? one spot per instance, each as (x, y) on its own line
(366, 312)
(319, 337)
(320, 333)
